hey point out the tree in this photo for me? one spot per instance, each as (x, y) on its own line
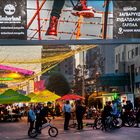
(77, 82)
(58, 83)
(79, 79)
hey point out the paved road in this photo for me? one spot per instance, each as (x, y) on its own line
(18, 131)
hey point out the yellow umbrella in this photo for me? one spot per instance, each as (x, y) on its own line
(45, 96)
(31, 95)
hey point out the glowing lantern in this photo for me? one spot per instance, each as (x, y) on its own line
(14, 75)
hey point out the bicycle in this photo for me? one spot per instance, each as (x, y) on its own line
(129, 119)
(112, 122)
(97, 124)
(52, 131)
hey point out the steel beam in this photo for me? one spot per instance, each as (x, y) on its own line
(65, 43)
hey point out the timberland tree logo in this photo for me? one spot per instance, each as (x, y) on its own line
(9, 9)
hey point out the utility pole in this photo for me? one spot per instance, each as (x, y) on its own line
(78, 33)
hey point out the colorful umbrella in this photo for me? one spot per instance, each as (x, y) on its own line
(45, 96)
(71, 97)
(31, 95)
(11, 96)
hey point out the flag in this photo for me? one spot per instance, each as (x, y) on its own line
(39, 86)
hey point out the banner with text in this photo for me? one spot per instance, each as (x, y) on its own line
(126, 19)
(13, 19)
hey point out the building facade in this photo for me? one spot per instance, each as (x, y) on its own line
(18, 57)
(127, 60)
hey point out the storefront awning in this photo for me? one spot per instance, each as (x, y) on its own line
(14, 69)
(114, 79)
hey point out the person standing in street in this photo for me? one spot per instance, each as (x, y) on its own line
(31, 118)
(79, 114)
(38, 122)
(67, 114)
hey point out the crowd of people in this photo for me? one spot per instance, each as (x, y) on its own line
(117, 109)
(77, 110)
(6, 110)
(37, 114)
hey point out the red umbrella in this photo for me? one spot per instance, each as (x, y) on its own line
(71, 97)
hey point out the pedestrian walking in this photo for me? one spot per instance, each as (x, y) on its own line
(67, 113)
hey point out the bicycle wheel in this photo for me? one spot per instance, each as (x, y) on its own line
(32, 133)
(131, 121)
(117, 123)
(53, 131)
(98, 123)
(109, 126)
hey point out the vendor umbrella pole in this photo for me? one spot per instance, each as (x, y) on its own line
(78, 33)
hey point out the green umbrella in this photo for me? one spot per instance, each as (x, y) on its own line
(11, 96)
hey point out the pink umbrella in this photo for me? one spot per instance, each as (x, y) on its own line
(71, 97)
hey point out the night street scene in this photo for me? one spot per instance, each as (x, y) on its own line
(69, 70)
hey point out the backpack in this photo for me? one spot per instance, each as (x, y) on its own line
(119, 107)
